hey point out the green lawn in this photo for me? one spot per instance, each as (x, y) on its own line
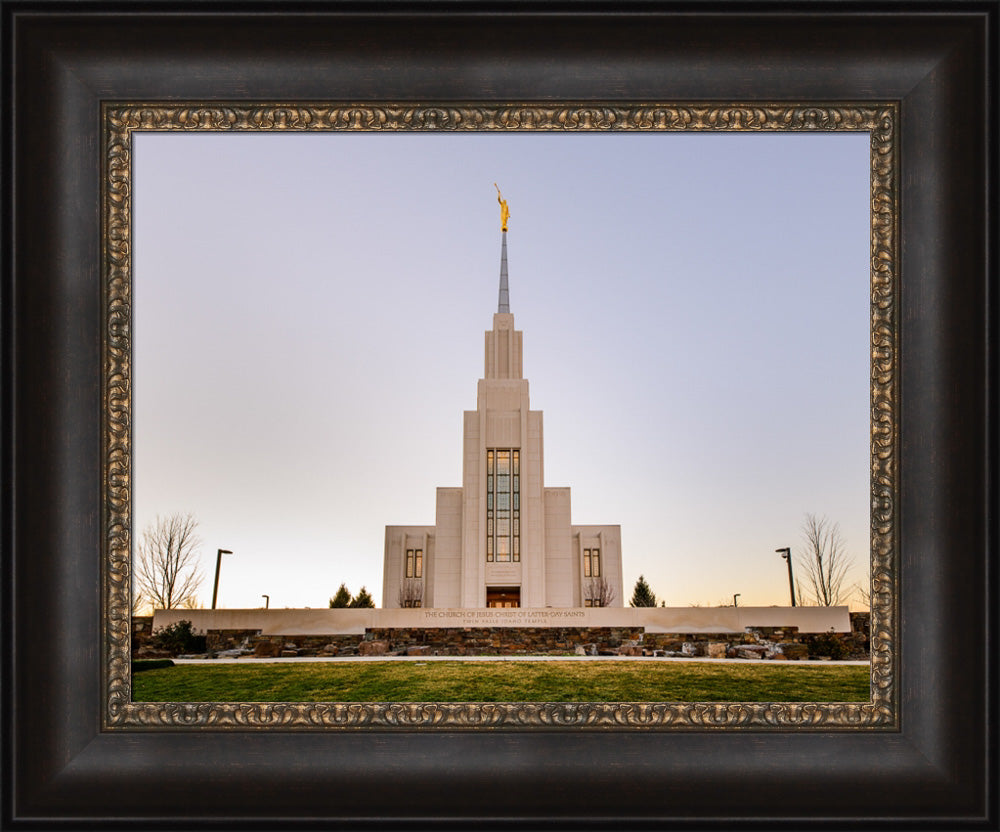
(520, 681)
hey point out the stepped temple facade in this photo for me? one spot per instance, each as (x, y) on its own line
(503, 538)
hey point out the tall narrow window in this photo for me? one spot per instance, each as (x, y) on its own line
(414, 563)
(592, 563)
(503, 505)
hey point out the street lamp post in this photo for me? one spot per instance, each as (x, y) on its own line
(786, 553)
(737, 595)
(267, 601)
(218, 564)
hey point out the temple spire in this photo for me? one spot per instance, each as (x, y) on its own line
(504, 303)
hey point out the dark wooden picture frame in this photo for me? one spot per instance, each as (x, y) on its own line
(61, 63)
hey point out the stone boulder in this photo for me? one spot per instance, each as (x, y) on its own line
(421, 650)
(266, 650)
(630, 648)
(792, 650)
(716, 649)
(751, 651)
(373, 648)
(692, 648)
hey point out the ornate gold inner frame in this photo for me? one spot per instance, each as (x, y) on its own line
(121, 121)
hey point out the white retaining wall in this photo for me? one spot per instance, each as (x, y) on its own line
(301, 622)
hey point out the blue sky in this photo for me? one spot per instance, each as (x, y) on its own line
(308, 319)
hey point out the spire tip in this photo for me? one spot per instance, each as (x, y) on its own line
(504, 211)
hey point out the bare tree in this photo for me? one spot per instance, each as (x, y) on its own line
(864, 594)
(824, 563)
(165, 569)
(599, 592)
(138, 600)
(411, 593)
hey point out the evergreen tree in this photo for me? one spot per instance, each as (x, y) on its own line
(362, 599)
(642, 595)
(341, 599)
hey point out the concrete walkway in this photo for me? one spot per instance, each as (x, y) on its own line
(423, 659)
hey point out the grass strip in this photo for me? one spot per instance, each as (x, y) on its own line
(498, 681)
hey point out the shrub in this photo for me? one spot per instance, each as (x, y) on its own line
(828, 644)
(150, 664)
(178, 638)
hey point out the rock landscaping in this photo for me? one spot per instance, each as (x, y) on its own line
(755, 644)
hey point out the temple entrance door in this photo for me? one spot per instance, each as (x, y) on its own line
(503, 596)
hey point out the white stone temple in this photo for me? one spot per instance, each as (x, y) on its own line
(502, 539)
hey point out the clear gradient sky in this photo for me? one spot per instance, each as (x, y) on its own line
(309, 313)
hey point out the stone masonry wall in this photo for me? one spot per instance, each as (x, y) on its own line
(757, 642)
(760, 642)
(229, 639)
(142, 631)
(504, 641)
(326, 645)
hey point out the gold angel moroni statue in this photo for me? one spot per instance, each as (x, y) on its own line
(504, 210)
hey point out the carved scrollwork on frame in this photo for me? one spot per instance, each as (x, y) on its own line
(879, 121)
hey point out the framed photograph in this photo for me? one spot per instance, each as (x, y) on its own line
(84, 86)
(296, 295)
